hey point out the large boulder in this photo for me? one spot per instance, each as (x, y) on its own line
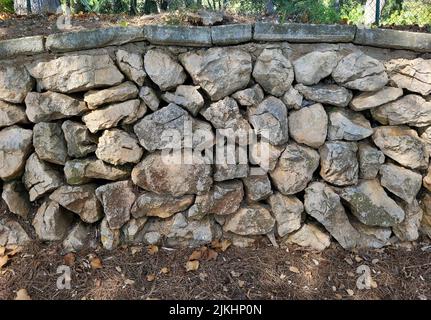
(360, 72)
(15, 83)
(118, 147)
(163, 69)
(403, 145)
(80, 142)
(11, 233)
(80, 200)
(370, 160)
(40, 177)
(369, 100)
(252, 220)
(15, 146)
(187, 97)
(314, 66)
(287, 212)
(16, 198)
(295, 168)
(49, 142)
(11, 114)
(345, 124)
(150, 204)
(326, 93)
(310, 236)
(257, 187)
(132, 65)
(49, 106)
(73, 73)
(51, 221)
(219, 71)
(120, 93)
(309, 125)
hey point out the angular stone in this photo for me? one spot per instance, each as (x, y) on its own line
(49, 142)
(249, 97)
(273, 71)
(174, 175)
(80, 171)
(426, 138)
(229, 165)
(51, 221)
(80, 142)
(309, 125)
(16, 198)
(252, 220)
(77, 238)
(148, 95)
(219, 71)
(287, 211)
(269, 119)
(411, 109)
(369, 100)
(295, 168)
(131, 230)
(118, 147)
(22, 46)
(293, 99)
(120, 93)
(188, 36)
(338, 163)
(360, 72)
(132, 65)
(345, 124)
(326, 93)
(11, 114)
(403, 145)
(257, 188)
(111, 115)
(378, 236)
(15, 146)
(310, 236)
(49, 106)
(370, 159)
(110, 238)
(425, 226)
(402, 182)
(163, 69)
(117, 199)
(413, 75)
(150, 204)
(80, 200)
(11, 233)
(74, 73)
(314, 66)
(265, 155)
(408, 230)
(427, 180)
(187, 97)
(371, 205)
(40, 177)
(15, 83)
(231, 34)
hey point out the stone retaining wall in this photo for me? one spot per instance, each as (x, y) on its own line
(338, 136)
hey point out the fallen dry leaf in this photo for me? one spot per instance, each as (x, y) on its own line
(221, 245)
(196, 255)
(152, 249)
(241, 283)
(3, 261)
(294, 269)
(350, 292)
(151, 277)
(212, 255)
(164, 270)
(13, 250)
(22, 294)
(96, 263)
(192, 265)
(129, 282)
(69, 259)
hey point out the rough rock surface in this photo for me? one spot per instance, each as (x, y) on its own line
(80, 142)
(408, 230)
(120, 93)
(265, 155)
(287, 212)
(187, 97)
(326, 93)
(370, 160)
(118, 147)
(310, 236)
(11, 114)
(51, 221)
(16, 198)
(252, 220)
(369, 100)
(257, 187)
(292, 99)
(150, 204)
(77, 238)
(132, 65)
(15, 83)
(249, 97)
(131, 230)
(110, 238)
(12, 233)
(425, 226)
(345, 124)
(314, 66)
(49, 142)
(150, 98)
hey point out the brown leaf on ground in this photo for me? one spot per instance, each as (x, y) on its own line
(3, 261)
(164, 270)
(152, 249)
(192, 265)
(221, 245)
(22, 294)
(151, 277)
(96, 263)
(196, 255)
(294, 269)
(69, 259)
(211, 255)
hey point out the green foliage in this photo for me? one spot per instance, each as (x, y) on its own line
(6, 6)
(352, 12)
(412, 12)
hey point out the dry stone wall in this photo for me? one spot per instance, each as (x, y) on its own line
(346, 131)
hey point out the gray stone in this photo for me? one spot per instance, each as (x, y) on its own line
(326, 93)
(16, 198)
(117, 199)
(265, 155)
(118, 147)
(120, 93)
(150, 98)
(132, 65)
(80, 142)
(21, 46)
(15, 83)
(178, 35)
(345, 124)
(378, 236)
(408, 230)
(231, 164)
(187, 97)
(369, 100)
(293, 99)
(77, 238)
(150, 204)
(249, 97)
(219, 71)
(287, 211)
(11, 114)
(49, 142)
(427, 180)
(413, 75)
(310, 236)
(370, 160)
(257, 187)
(11, 233)
(251, 220)
(51, 221)
(231, 34)
(425, 226)
(314, 66)
(110, 238)
(131, 230)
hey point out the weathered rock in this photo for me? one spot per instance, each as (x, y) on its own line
(273, 71)
(371, 205)
(77, 238)
(131, 229)
(150, 204)
(370, 159)
(49, 106)
(223, 199)
(310, 236)
(120, 93)
(49, 142)
(295, 168)
(309, 125)
(80, 200)
(425, 226)
(369, 100)
(80, 142)
(210, 18)
(40, 177)
(110, 238)
(150, 98)
(347, 125)
(378, 237)
(257, 187)
(11, 233)
(413, 75)
(411, 109)
(118, 147)
(338, 163)
(408, 230)
(287, 211)
(326, 93)
(16, 198)
(314, 66)
(427, 180)
(249, 97)
(254, 219)
(51, 221)
(292, 99)
(132, 65)
(426, 138)
(163, 69)
(11, 114)
(73, 73)
(15, 83)
(402, 182)
(360, 72)
(231, 164)
(269, 119)
(219, 71)
(112, 115)
(265, 155)
(15, 146)
(187, 97)
(117, 199)
(172, 174)
(403, 145)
